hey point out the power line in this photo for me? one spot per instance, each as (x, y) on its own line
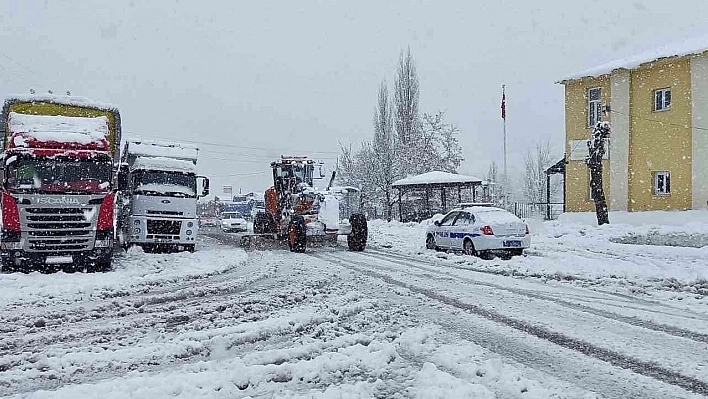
(662, 122)
(241, 174)
(648, 120)
(249, 147)
(22, 66)
(250, 156)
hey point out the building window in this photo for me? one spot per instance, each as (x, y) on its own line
(594, 106)
(662, 183)
(662, 99)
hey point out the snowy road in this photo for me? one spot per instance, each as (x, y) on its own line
(226, 323)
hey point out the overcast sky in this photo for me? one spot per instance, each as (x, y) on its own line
(298, 77)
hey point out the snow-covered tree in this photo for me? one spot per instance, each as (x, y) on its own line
(494, 183)
(596, 150)
(412, 146)
(447, 151)
(535, 164)
(383, 151)
(402, 144)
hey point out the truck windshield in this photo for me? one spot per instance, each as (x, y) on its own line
(163, 183)
(58, 175)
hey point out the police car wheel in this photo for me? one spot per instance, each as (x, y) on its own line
(430, 242)
(468, 248)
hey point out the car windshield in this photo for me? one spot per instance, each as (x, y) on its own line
(163, 183)
(231, 216)
(58, 175)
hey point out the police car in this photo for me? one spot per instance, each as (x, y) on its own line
(479, 229)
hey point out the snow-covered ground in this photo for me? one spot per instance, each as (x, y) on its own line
(579, 317)
(575, 249)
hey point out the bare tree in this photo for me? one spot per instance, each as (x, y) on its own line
(445, 153)
(407, 119)
(494, 184)
(535, 164)
(383, 150)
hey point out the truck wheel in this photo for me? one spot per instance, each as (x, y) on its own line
(359, 234)
(259, 224)
(99, 267)
(297, 234)
(263, 223)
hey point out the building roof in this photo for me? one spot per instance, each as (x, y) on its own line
(436, 178)
(690, 46)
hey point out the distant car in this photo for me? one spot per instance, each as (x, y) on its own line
(233, 222)
(479, 230)
(208, 221)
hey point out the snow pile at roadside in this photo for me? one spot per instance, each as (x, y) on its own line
(135, 269)
(669, 228)
(571, 249)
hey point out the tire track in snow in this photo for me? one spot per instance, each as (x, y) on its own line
(671, 311)
(631, 320)
(616, 359)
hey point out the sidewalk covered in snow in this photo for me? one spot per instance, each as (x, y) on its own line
(429, 184)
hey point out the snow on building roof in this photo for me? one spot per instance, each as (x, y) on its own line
(67, 100)
(62, 129)
(162, 149)
(691, 46)
(436, 177)
(164, 164)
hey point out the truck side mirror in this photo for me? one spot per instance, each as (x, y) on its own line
(205, 186)
(122, 178)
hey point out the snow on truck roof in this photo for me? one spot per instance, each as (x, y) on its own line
(164, 164)
(66, 100)
(691, 46)
(62, 129)
(150, 148)
(436, 177)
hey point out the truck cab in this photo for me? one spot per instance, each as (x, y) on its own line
(159, 200)
(57, 183)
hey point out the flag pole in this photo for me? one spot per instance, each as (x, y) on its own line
(506, 178)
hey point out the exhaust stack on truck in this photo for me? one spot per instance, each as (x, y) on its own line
(58, 181)
(159, 192)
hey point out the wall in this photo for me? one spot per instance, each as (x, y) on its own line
(699, 116)
(619, 140)
(576, 128)
(660, 140)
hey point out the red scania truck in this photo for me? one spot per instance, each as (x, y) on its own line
(58, 168)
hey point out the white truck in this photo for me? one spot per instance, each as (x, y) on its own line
(159, 191)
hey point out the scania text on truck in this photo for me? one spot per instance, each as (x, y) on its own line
(159, 199)
(58, 182)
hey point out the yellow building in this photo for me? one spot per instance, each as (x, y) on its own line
(657, 104)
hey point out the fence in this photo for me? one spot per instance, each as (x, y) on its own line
(540, 210)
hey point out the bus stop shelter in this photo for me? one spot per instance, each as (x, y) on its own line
(433, 182)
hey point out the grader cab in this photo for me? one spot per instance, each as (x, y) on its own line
(297, 211)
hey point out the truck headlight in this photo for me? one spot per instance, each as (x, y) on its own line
(189, 232)
(190, 224)
(136, 230)
(136, 222)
